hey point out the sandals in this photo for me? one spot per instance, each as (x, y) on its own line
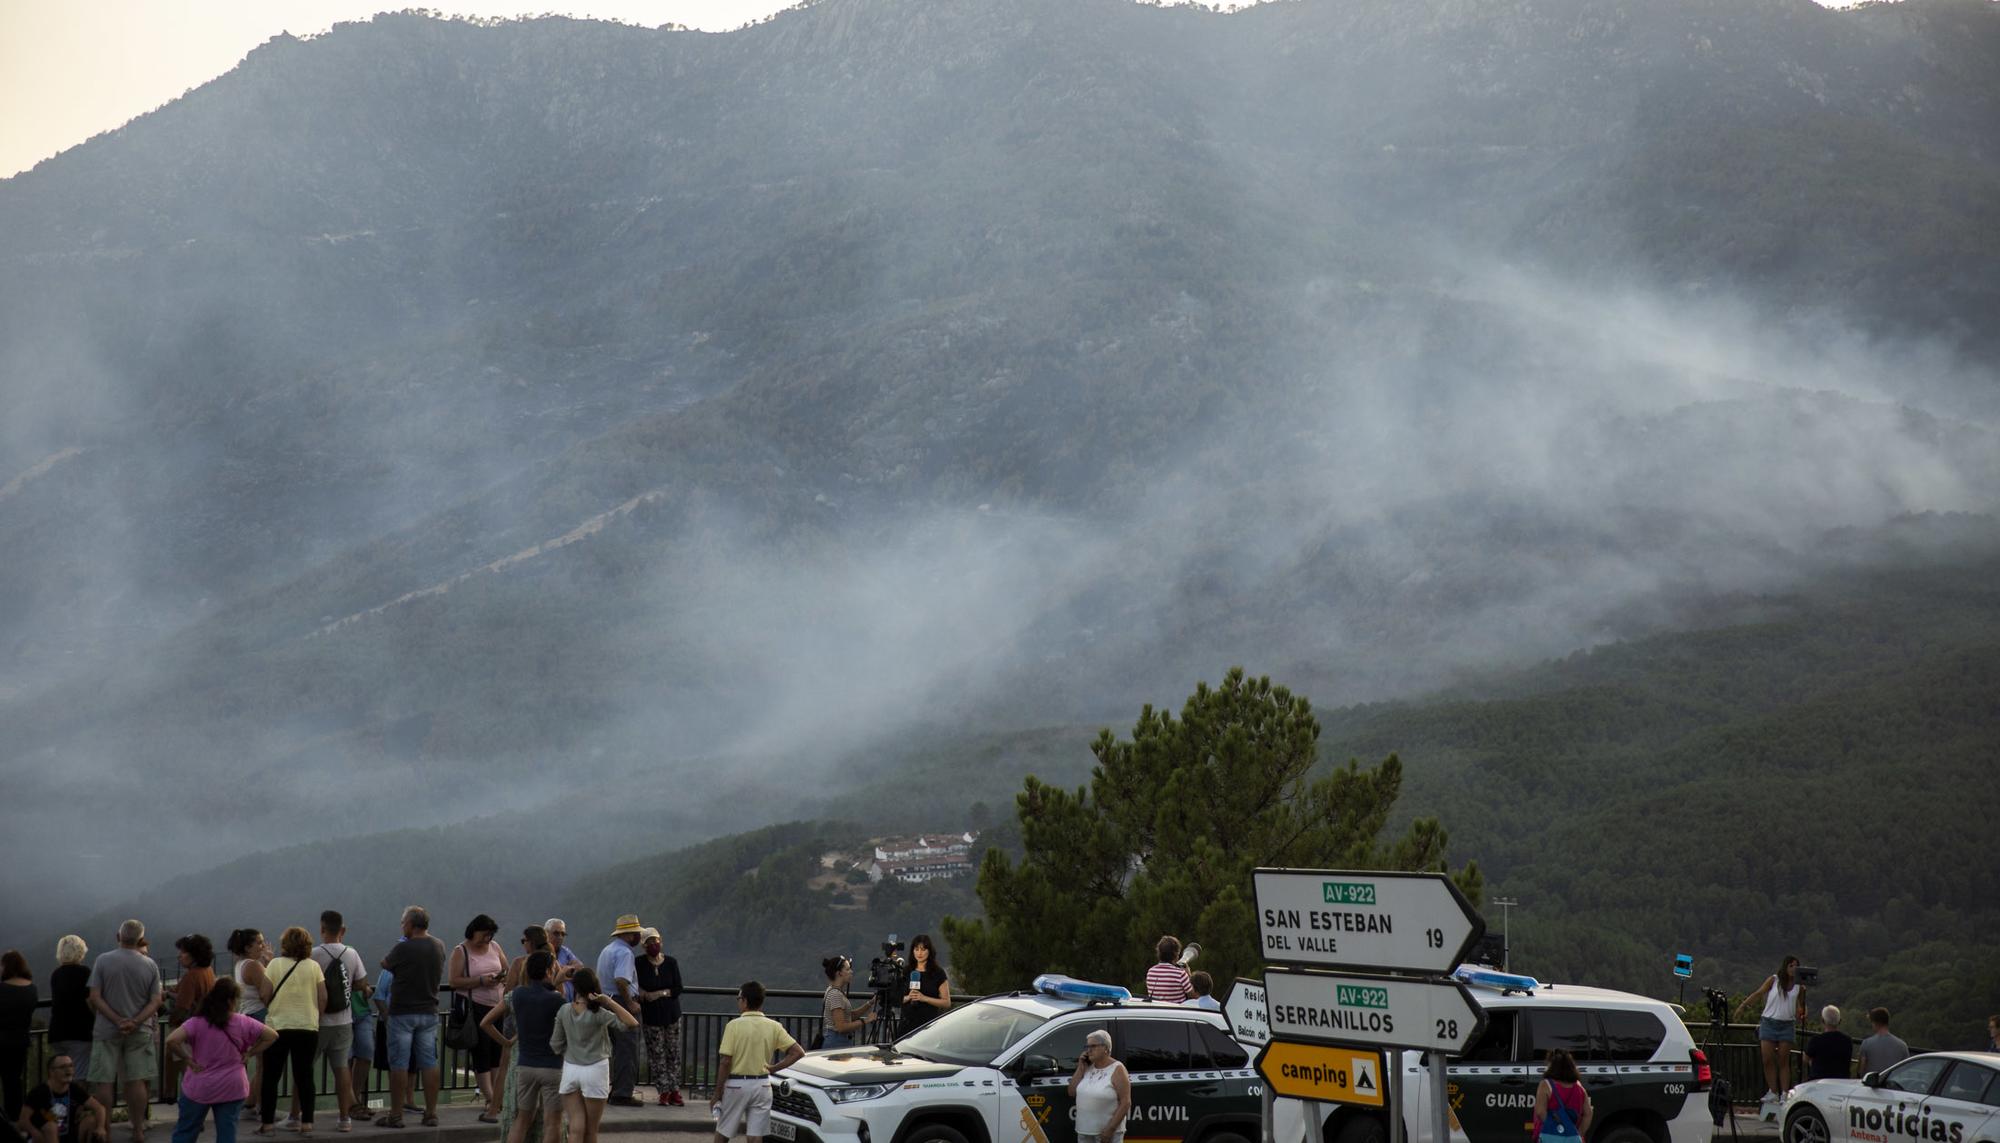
(395, 1121)
(430, 1121)
(488, 1117)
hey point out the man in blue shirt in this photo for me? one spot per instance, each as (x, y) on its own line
(618, 976)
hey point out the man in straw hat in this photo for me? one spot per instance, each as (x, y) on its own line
(618, 975)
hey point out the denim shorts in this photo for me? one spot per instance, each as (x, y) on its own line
(1776, 1031)
(364, 1038)
(413, 1041)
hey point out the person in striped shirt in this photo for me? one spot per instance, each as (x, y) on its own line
(1167, 980)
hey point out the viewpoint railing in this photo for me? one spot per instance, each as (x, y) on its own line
(1732, 1051)
(704, 1011)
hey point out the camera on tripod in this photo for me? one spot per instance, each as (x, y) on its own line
(885, 972)
(1718, 1005)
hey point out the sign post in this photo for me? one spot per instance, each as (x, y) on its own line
(1390, 939)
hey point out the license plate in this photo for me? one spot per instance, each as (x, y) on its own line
(782, 1130)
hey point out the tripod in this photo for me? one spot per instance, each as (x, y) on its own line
(1719, 1101)
(889, 1022)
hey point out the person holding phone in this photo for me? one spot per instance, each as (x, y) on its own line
(477, 968)
(930, 989)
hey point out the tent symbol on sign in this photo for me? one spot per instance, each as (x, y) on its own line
(1364, 1075)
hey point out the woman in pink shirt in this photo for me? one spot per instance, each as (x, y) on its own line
(214, 1044)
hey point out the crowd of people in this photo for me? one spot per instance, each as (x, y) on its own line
(309, 1003)
(545, 1033)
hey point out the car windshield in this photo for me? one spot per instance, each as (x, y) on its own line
(971, 1034)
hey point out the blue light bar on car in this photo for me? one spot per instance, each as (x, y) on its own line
(1067, 988)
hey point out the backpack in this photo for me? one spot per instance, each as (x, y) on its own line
(339, 990)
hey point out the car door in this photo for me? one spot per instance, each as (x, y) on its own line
(1877, 1113)
(1965, 1104)
(1166, 1086)
(1042, 1078)
(1490, 1088)
(1574, 1030)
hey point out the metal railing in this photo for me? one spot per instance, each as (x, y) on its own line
(704, 1011)
(1735, 1055)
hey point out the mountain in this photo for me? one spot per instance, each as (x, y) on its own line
(1804, 772)
(468, 413)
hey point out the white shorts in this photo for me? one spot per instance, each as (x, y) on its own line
(746, 1108)
(591, 1081)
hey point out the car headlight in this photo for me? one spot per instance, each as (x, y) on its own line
(860, 1091)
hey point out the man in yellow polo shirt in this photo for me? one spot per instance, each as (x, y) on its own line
(742, 1105)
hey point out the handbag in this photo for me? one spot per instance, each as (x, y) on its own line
(461, 1030)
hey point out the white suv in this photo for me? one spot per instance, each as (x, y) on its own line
(996, 1071)
(1647, 1080)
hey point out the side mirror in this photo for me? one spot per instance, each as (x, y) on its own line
(1034, 1065)
(1872, 1079)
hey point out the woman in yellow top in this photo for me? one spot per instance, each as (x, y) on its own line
(294, 992)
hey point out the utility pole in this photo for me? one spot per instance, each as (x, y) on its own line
(1506, 944)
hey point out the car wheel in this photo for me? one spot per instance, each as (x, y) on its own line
(1806, 1125)
(934, 1133)
(1624, 1133)
(1362, 1129)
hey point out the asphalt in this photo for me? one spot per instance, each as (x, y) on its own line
(459, 1123)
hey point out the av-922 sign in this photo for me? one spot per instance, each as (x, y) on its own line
(1394, 922)
(1377, 1012)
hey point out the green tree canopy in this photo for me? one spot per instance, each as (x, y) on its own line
(1165, 836)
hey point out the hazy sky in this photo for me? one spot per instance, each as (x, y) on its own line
(72, 68)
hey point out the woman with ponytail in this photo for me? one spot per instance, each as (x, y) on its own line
(582, 1037)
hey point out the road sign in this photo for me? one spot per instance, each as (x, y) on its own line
(1372, 1011)
(1394, 922)
(1316, 1071)
(1245, 1011)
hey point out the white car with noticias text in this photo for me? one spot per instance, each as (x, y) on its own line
(1938, 1097)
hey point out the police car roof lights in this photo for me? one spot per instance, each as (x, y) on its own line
(1069, 988)
(1480, 976)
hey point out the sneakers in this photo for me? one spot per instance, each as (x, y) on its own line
(626, 1101)
(674, 1098)
(665, 1101)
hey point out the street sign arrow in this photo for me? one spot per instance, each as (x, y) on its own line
(1393, 922)
(1316, 1071)
(1372, 1011)
(1245, 1012)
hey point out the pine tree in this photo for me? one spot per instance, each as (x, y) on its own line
(1164, 838)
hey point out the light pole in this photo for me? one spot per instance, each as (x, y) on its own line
(1506, 945)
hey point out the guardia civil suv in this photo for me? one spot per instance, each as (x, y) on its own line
(1647, 1080)
(997, 1070)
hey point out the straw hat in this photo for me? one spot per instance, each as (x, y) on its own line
(629, 923)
